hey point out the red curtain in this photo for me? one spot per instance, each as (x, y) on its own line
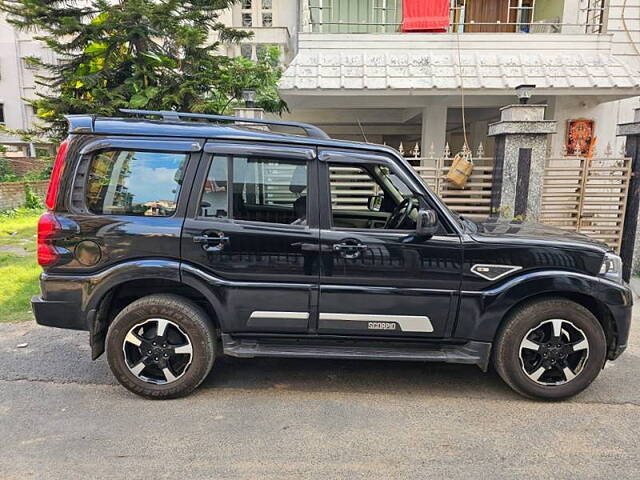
(425, 15)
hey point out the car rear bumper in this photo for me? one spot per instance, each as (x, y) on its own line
(58, 314)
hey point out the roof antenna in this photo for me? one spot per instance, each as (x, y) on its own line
(362, 130)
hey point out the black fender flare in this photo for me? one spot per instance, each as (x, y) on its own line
(97, 285)
(482, 312)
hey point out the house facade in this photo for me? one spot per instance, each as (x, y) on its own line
(366, 68)
(361, 70)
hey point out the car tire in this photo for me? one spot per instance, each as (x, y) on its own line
(161, 346)
(541, 352)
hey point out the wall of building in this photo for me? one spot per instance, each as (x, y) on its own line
(282, 31)
(12, 195)
(10, 77)
(17, 81)
(606, 116)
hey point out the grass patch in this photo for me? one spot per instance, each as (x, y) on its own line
(19, 269)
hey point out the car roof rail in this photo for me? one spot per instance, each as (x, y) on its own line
(311, 130)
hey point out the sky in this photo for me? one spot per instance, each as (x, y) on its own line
(153, 176)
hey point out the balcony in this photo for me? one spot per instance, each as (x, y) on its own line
(465, 16)
(262, 38)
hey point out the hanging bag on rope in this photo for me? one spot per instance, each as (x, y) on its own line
(461, 168)
(462, 164)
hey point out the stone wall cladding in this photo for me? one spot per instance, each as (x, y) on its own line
(12, 194)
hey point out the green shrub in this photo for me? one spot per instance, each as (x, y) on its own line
(32, 201)
(6, 173)
(41, 173)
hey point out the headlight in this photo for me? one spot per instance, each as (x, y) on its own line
(612, 267)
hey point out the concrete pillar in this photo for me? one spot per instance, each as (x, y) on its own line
(246, 112)
(521, 138)
(253, 113)
(630, 248)
(434, 129)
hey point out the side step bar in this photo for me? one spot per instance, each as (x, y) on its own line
(477, 353)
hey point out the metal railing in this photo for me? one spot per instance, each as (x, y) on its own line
(580, 194)
(385, 16)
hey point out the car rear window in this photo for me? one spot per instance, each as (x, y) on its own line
(126, 182)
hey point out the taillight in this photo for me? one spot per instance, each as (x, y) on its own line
(48, 228)
(56, 174)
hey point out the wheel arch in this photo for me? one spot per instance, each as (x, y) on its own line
(482, 313)
(598, 308)
(126, 285)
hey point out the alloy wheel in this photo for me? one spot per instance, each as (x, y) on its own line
(554, 352)
(157, 351)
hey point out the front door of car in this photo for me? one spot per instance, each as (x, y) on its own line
(378, 278)
(252, 234)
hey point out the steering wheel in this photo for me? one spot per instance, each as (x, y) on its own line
(400, 214)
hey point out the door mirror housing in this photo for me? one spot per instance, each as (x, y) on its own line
(374, 203)
(427, 223)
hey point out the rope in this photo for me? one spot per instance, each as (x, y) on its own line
(626, 28)
(464, 122)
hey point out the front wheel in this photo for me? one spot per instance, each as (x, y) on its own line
(550, 348)
(161, 346)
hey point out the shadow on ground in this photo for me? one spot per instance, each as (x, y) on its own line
(354, 376)
(62, 356)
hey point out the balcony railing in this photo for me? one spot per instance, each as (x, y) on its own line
(385, 16)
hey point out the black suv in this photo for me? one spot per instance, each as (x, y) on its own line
(175, 237)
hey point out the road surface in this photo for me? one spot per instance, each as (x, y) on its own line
(63, 416)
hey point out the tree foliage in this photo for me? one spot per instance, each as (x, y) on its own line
(151, 54)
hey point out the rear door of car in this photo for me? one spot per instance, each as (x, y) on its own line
(252, 234)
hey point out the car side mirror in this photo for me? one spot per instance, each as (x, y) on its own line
(427, 223)
(374, 203)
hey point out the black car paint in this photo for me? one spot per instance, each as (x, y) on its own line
(300, 269)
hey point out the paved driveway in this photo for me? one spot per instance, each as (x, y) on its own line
(63, 416)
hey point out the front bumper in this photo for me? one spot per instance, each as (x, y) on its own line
(58, 314)
(619, 301)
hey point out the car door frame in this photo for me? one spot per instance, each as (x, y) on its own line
(284, 151)
(327, 155)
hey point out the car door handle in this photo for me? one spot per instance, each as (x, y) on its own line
(349, 250)
(212, 243)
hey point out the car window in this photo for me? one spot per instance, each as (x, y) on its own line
(369, 196)
(351, 187)
(269, 190)
(126, 182)
(214, 199)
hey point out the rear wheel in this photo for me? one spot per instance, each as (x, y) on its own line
(161, 346)
(551, 348)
